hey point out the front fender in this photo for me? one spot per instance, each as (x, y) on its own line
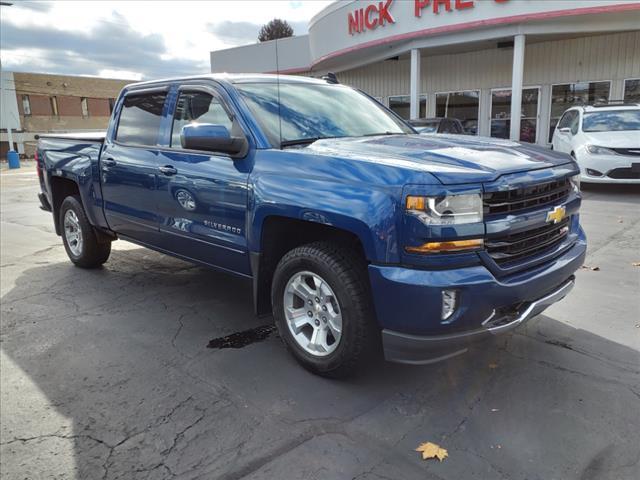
(363, 210)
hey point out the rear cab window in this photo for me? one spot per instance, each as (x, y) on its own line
(140, 118)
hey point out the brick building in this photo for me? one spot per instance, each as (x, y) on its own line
(57, 103)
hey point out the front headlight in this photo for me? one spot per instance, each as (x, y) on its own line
(446, 209)
(575, 183)
(596, 150)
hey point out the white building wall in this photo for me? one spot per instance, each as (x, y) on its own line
(613, 57)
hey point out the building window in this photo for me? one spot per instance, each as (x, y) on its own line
(85, 106)
(401, 104)
(461, 105)
(501, 114)
(632, 90)
(54, 106)
(26, 105)
(571, 94)
(112, 102)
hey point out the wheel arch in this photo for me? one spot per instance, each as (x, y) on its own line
(279, 235)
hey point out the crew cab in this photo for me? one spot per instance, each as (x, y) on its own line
(356, 232)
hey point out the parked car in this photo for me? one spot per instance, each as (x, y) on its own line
(604, 140)
(354, 230)
(437, 125)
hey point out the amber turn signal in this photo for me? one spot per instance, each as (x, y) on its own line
(443, 247)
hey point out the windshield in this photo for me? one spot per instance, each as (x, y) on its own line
(312, 111)
(612, 121)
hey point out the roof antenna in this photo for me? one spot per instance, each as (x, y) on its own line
(278, 83)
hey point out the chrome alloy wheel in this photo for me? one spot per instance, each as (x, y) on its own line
(72, 232)
(313, 314)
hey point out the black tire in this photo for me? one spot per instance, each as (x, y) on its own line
(93, 253)
(345, 272)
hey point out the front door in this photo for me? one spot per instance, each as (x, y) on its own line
(202, 196)
(129, 167)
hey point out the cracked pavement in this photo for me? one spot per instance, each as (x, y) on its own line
(105, 375)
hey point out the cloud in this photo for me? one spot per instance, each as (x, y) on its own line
(37, 6)
(111, 45)
(242, 33)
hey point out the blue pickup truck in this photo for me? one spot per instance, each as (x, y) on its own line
(355, 231)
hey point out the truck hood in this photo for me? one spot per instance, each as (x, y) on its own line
(450, 158)
(626, 139)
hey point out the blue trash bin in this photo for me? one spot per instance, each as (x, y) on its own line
(13, 159)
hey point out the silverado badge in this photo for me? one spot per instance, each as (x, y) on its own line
(557, 214)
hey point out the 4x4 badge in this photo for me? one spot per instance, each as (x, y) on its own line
(556, 215)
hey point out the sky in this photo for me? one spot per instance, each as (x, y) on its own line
(135, 40)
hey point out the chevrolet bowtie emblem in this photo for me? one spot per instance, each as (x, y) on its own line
(556, 215)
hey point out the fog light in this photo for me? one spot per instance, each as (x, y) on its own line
(449, 303)
(594, 173)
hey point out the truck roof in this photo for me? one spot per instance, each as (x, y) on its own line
(239, 78)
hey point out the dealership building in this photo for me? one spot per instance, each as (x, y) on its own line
(484, 62)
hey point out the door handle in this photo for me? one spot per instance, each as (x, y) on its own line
(168, 170)
(109, 162)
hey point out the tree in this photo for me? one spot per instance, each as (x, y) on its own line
(275, 29)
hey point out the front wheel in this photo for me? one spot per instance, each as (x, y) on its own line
(322, 308)
(78, 236)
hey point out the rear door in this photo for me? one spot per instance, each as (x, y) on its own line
(202, 196)
(129, 166)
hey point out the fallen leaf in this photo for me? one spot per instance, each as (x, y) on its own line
(431, 450)
(635, 264)
(493, 366)
(587, 267)
(495, 409)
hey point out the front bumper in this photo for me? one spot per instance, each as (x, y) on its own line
(408, 303)
(610, 167)
(414, 349)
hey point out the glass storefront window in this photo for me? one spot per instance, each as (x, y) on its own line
(632, 90)
(400, 104)
(501, 114)
(571, 94)
(461, 105)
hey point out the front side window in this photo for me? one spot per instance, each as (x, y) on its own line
(632, 90)
(140, 118)
(401, 104)
(567, 119)
(197, 107)
(611, 121)
(571, 94)
(305, 111)
(461, 105)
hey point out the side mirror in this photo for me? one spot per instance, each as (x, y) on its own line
(564, 130)
(211, 138)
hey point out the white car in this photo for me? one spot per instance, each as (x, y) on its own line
(604, 140)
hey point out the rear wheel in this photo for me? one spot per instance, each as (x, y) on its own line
(78, 236)
(322, 308)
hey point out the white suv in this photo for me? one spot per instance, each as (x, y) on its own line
(605, 141)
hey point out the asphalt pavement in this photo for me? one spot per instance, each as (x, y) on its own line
(106, 374)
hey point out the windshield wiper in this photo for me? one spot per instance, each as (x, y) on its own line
(300, 141)
(379, 134)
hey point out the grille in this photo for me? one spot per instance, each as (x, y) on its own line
(634, 152)
(528, 197)
(626, 173)
(519, 246)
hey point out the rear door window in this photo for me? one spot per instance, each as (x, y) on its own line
(140, 118)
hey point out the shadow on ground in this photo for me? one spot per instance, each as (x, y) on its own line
(120, 353)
